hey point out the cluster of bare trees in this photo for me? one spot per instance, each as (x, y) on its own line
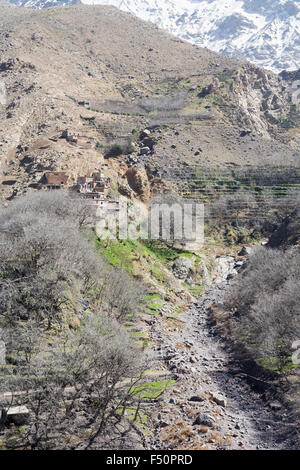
(76, 382)
(77, 386)
(249, 213)
(265, 299)
(164, 103)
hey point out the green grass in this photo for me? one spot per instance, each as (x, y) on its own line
(164, 253)
(153, 390)
(154, 308)
(139, 334)
(158, 272)
(152, 297)
(279, 366)
(119, 253)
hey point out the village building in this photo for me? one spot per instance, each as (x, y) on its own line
(96, 183)
(74, 137)
(92, 187)
(54, 180)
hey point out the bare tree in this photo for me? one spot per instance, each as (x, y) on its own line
(266, 300)
(77, 387)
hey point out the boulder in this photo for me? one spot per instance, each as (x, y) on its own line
(145, 133)
(149, 142)
(183, 267)
(145, 151)
(204, 419)
(219, 399)
(8, 65)
(18, 415)
(125, 190)
(245, 251)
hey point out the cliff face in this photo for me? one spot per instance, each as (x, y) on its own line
(262, 97)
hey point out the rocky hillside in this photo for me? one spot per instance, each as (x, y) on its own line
(266, 33)
(106, 75)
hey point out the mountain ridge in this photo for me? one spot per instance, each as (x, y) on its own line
(267, 35)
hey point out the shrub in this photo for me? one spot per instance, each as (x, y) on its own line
(115, 151)
(266, 301)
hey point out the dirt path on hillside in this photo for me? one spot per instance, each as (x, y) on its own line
(210, 385)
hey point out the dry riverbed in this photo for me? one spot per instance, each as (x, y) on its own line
(211, 406)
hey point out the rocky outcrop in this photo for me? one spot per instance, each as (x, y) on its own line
(212, 87)
(262, 98)
(184, 267)
(138, 182)
(147, 142)
(290, 76)
(125, 190)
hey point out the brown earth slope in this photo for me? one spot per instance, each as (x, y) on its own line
(103, 73)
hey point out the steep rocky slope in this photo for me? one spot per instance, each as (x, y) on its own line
(266, 33)
(107, 75)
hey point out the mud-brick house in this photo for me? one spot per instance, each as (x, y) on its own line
(102, 183)
(96, 183)
(71, 136)
(85, 184)
(54, 180)
(76, 138)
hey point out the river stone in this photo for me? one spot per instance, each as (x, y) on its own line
(183, 267)
(19, 415)
(196, 398)
(205, 419)
(219, 399)
(245, 251)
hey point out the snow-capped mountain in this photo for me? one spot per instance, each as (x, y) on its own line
(39, 4)
(266, 32)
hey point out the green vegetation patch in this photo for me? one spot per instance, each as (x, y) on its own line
(153, 390)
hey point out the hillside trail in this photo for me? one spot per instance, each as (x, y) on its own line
(210, 381)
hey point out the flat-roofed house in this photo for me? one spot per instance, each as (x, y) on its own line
(54, 180)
